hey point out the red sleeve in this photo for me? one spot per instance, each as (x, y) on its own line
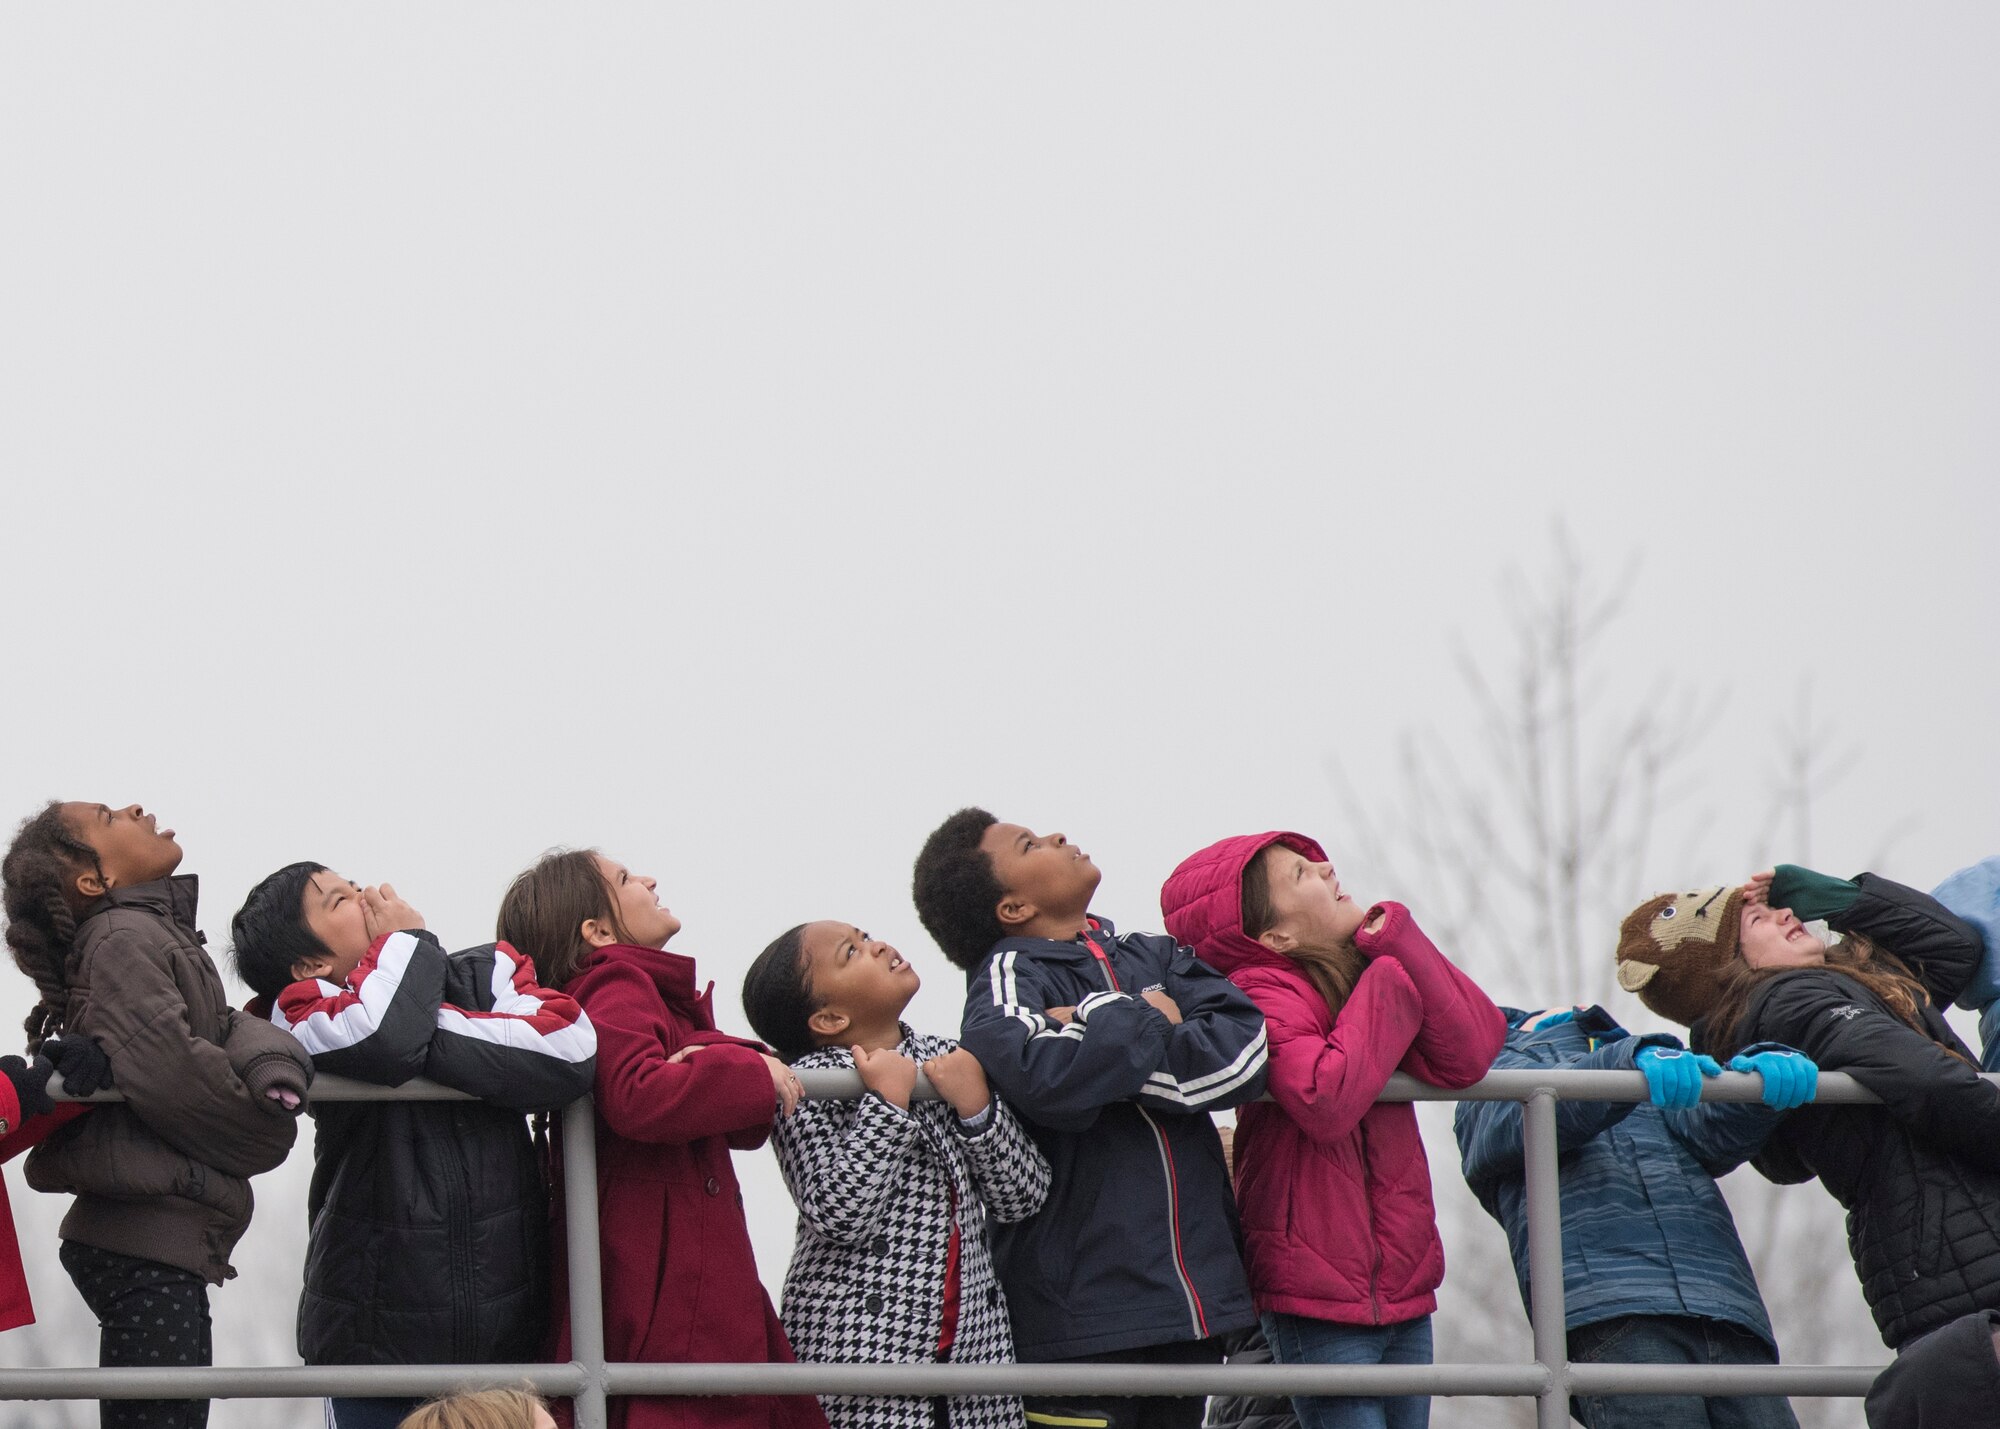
(24, 1138)
(722, 1039)
(723, 1089)
(1462, 1030)
(1326, 1081)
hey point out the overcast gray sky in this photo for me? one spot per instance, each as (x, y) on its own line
(737, 436)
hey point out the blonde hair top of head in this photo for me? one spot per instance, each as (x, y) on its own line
(477, 1409)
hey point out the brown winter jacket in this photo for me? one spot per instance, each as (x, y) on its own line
(165, 1175)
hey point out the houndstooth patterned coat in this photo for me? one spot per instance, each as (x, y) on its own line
(875, 1186)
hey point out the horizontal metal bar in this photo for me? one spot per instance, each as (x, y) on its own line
(1805, 1380)
(1093, 1379)
(324, 1089)
(1440, 1380)
(920, 1379)
(274, 1382)
(1513, 1084)
(1517, 1084)
(282, 1382)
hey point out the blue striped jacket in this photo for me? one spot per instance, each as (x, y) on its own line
(1645, 1228)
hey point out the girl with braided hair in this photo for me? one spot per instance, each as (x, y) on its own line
(97, 916)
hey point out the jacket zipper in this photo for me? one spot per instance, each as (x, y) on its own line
(1103, 959)
(1195, 1313)
(462, 1313)
(1374, 1240)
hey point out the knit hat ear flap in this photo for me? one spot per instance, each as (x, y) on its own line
(1675, 949)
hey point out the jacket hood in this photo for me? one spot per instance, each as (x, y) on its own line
(175, 897)
(672, 973)
(1202, 900)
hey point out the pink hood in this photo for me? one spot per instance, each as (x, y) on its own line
(1333, 1187)
(1202, 900)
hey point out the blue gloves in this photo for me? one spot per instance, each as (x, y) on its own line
(1673, 1077)
(1790, 1078)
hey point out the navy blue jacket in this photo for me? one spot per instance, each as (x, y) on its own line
(1645, 1228)
(1138, 1242)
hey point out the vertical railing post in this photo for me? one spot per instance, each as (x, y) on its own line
(586, 1280)
(1545, 1256)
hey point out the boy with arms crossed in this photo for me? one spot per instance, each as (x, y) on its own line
(1114, 1049)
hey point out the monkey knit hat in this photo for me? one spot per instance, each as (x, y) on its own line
(1675, 949)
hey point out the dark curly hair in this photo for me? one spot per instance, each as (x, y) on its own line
(268, 937)
(39, 873)
(778, 995)
(956, 891)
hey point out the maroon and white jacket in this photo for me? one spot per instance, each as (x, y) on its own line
(475, 1020)
(430, 1219)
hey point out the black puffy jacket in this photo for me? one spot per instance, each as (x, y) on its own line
(430, 1222)
(1949, 1379)
(1919, 1174)
(1249, 1411)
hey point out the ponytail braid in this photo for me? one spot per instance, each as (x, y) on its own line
(38, 873)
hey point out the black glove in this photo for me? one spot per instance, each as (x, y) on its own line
(31, 1084)
(84, 1067)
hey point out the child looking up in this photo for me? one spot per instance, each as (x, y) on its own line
(429, 1220)
(1114, 1050)
(1919, 1173)
(97, 917)
(893, 1197)
(1342, 1240)
(674, 1095)
(1653, 1271)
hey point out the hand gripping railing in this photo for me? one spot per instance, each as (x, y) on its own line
(589, 1379)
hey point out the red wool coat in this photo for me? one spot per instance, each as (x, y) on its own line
(15, 1307)
(680, 1282)
(1338, 1222)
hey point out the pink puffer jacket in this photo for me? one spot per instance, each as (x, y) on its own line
(1334, 1189)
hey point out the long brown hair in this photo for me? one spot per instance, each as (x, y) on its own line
(1332, 971)
(545, 908)
(1854, 956)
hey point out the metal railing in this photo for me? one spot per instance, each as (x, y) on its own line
(590, 1380)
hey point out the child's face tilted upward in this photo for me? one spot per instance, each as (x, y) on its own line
(1775, 938)
(1309, 907)
(638, 915)
(337, 916)
(1042, 874)
(862, 979)
(130, 846)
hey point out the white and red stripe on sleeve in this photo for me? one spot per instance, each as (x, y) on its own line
(327, 1017)
(526, 1016)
